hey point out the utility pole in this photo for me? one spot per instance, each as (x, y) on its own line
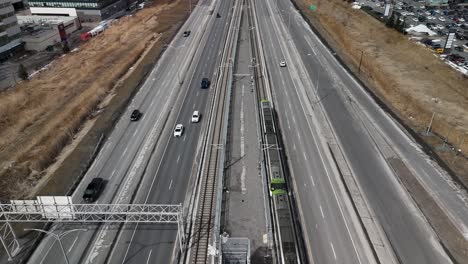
(430, 124)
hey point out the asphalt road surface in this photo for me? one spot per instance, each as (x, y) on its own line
(155, 243)
(330, 229)
(130, 154)
(409, 234)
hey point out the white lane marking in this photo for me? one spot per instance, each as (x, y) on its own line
(294, 146)
(125, 151)
(198, 92)
(73, 244)
(170, 185)
(149, 256)
(333, 249)
(242, 142)
(184, 138)
(178, 158)
(305, 156)
(321, 212)
(47, 253)
(193, 106)
(312, 178)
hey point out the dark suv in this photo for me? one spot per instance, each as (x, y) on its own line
(93, 190)
(205, 83)
(135, 115)
(186, 33)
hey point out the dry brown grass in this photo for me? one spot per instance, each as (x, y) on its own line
(39, 117)
(408, 76)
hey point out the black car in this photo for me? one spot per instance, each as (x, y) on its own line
(93, 190)
(458, 48)
(187, 33)
(205, 83)
(135, 115)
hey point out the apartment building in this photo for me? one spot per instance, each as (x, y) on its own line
(10, 32)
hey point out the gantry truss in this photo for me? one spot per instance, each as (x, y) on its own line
(61, 209)
(89, 213)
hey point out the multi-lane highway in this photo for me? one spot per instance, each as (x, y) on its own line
(330, 229)
(312, 67)
(143, 155)
(155, 243)
(143, 163)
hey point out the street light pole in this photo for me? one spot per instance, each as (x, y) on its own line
(57, 237)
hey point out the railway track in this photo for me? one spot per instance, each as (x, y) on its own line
(202, 234)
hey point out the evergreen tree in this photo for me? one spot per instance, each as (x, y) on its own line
(391, 21)
(23, 72)
(65, 47)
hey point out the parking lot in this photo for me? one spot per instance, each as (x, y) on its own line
(438, 19)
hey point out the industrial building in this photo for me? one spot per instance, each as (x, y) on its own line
(10, 32)
(41, 32)
(86, 10)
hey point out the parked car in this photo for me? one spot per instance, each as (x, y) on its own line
(93, 190)
(187, 33)
(282, 64)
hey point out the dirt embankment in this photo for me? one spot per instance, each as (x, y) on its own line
(40, 117)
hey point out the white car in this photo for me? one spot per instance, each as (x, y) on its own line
(282, 64)
(442, 19)
(415, 19)
(179, 129)
(461, 19)
(196, 117)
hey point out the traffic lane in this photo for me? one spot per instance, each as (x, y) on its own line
(148, 92)
(174, 153)
(122, 155)
(437, 179)
(398, 221)
(129, 135)
(151, 90)
(171, 182)
(355, 232)
(327, 207)
(313, 183)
